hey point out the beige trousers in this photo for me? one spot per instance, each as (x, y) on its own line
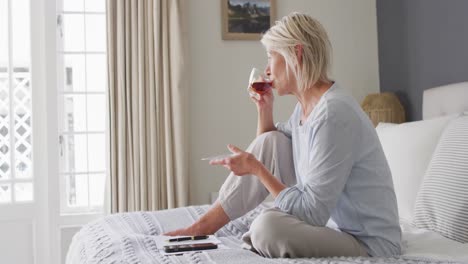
(274, 233)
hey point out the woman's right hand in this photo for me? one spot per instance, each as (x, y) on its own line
(264, 105)
(264, 101)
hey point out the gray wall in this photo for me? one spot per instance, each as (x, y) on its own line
(422, 44)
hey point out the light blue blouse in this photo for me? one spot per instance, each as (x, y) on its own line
(343, 179)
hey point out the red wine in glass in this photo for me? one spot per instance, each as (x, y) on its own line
(259, 83)
(261, 87)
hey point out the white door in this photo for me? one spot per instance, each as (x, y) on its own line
(53, 125)
(23, 217)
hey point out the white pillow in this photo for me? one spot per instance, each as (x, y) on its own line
(408, 148)
(442, 203)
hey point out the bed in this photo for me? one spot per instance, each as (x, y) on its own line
(129, 237)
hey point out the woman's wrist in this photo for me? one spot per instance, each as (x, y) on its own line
(258, 168)
(265, 111)
(255, 165)
(273, 185)
(265, 122)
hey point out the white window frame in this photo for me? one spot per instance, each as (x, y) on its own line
(11, 130)
(64, 209)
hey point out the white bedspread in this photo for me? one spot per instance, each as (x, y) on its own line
(129, 238)
(425, 243)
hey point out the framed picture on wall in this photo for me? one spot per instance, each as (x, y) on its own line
(246, 19)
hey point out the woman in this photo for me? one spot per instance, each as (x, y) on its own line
(324, 167)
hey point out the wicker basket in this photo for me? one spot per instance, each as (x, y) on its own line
(383, 107)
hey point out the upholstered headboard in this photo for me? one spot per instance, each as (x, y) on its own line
(445, 100)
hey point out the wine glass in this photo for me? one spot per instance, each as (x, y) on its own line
(259, 83)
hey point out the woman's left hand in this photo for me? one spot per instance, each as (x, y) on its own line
(240, 163)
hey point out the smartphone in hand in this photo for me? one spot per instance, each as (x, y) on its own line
(189, 247)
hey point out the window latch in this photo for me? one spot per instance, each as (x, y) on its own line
(59, 25)
(61, 145)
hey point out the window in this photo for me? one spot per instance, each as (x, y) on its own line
(83, 111)
(16, 177)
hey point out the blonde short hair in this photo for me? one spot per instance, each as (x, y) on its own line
(301, 29)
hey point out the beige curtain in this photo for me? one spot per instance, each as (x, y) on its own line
(148, 100)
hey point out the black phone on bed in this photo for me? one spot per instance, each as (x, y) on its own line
(189, 247)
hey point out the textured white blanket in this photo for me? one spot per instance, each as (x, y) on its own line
(128, 238)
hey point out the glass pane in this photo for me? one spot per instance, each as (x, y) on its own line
(23, 192)
(23, 162)
(4, 96)
(95, 33)
(4, 158)
(4, 126)
(96, 72)
(97, 112)
(81, 190)
(21, 33)
(5, 193)
(73, 5)
(74, 72)
(73, 30)
(74, 113)
(74, 153)
(97, 152)
(23, 126)
(97, 189)
(4, 34)
(95, 5)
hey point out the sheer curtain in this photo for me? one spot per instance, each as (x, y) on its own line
(148, 104)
